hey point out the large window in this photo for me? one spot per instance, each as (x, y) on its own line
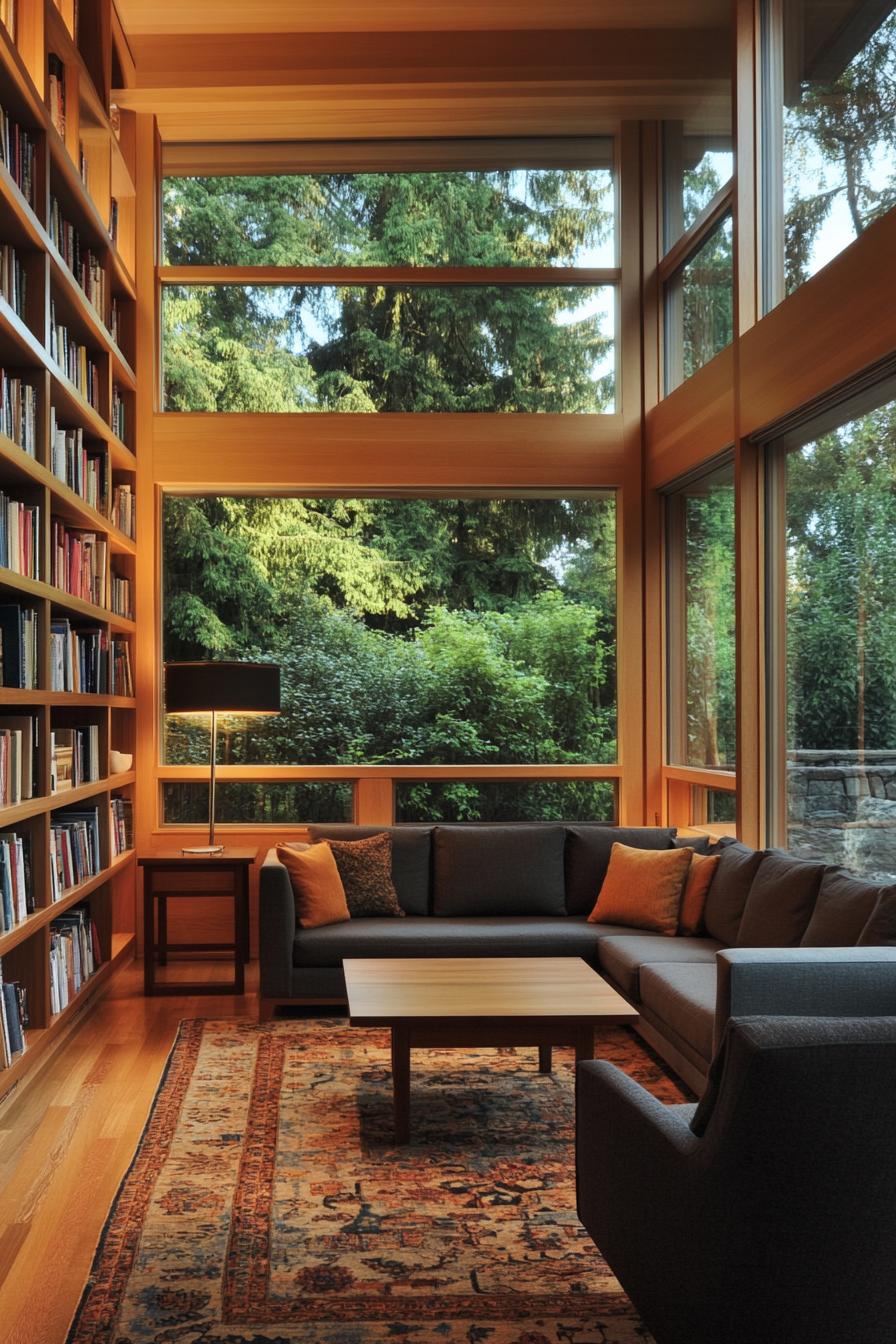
(410, 633)
(833, 519)
(451, 290)
(830, 142)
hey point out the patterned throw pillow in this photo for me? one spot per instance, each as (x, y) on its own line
(365, 867)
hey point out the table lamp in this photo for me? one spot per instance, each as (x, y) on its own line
(220, 688)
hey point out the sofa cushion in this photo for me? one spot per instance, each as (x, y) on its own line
(842, 909)
(880, 931)
(588, 854)
(643, 888)
(683, 995)
(421, 936)
(780, 902)
(411, 848)
(365, 867)
(730, 887)
(696, 889)
(316, 885)
(622, 957)
(498, 870)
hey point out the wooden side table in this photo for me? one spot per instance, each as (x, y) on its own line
(234, 863)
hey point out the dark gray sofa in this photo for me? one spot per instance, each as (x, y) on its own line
(526, 890)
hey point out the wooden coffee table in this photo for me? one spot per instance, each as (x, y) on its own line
(453, 1002)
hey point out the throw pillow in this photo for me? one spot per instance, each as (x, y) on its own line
(316, 885)
(696, 888)
(842, 910)
(365, 867)
(780, 902)
(643, 889)
(730, 887)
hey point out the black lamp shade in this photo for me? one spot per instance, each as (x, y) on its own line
(229, 688)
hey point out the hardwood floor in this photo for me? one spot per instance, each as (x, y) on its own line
(66, 1142)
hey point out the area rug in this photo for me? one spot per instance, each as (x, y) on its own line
(268, 1203)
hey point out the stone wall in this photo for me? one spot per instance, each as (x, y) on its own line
(841, 808)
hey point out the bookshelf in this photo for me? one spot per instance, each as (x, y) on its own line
(68, 534)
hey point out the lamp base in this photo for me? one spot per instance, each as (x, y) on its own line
(202, 849)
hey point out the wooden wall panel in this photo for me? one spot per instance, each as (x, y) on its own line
(324, 452)
(692, 424)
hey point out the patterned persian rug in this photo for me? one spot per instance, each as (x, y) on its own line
(268, 1204)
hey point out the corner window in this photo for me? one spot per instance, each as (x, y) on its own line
(830, 131)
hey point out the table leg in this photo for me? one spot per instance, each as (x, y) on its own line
(163, 929)
(401, 1082)
(149, 936)
(240, 931)
(585, 1043)
(544, 1059)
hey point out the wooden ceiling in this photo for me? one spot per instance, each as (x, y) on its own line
(356, 69)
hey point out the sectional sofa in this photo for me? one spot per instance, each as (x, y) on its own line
(526, 890)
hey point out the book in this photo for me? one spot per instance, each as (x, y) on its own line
(20, 536)
(121, 824)
(19, 757)
(16, 888)
(122, 681)
(74, 848)
(83, 470)
(18, 412)
(56, 92)
(18, 151)
(74, 360)
(18, 646)
(123, 513)
(74, 949)
(121, 596)
(78, 562)
(117, 418)
(75, 757)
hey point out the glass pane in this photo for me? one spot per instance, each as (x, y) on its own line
(513, 217)
(699, 307)
(839, 127)
(379, 348)
(695, 168)
(841, 646)
(702, 716)
(714, 805)
(539, 800)
(453, 631)
(258, 804)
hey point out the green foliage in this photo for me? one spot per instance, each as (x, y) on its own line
(710, 616)
(380, 348)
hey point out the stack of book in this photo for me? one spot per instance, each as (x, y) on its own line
(56, 92)
(78, 658)
(16, 891)
(78, 563)
(19, 758)
(74, 849)
(83, 471)
(13, 1019)
(115, 321)
(18, 149)
(113, 221)
(74, 757)
(74, 360)
(18, 646)
(117, 420)
(85, 265)
(121, 596)
(74, 955)
(122, 681)
(20, 536)
(18, 412)
(12, 279)
(121, 824)
(123, 512)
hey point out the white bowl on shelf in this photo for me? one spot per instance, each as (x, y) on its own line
(120, 761)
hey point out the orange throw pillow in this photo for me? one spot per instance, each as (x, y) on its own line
(702, 871)
(643, 888)
(316, 885)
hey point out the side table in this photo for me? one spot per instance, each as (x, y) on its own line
(232, 863)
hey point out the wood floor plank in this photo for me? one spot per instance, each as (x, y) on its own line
(68, 1139)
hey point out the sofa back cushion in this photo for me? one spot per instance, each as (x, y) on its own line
(411, 850)
(842, 909)
(880, 931)
(588, 855)
(727, 896)
(780, 902)
(498, 870)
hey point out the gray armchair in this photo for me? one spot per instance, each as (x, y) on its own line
(767, 1214)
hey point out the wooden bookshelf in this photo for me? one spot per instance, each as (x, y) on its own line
(81, 192)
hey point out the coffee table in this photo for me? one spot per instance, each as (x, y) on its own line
(453, 1002)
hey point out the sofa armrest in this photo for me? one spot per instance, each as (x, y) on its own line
(804, 982)
(276, 928)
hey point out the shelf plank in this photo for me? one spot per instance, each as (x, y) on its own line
(43, 916)
(76, 699)
(36, 807)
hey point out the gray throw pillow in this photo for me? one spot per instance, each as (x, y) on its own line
(780, 902)
(842, 910)
(727, 896)
(498, 870)
(880, 931)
